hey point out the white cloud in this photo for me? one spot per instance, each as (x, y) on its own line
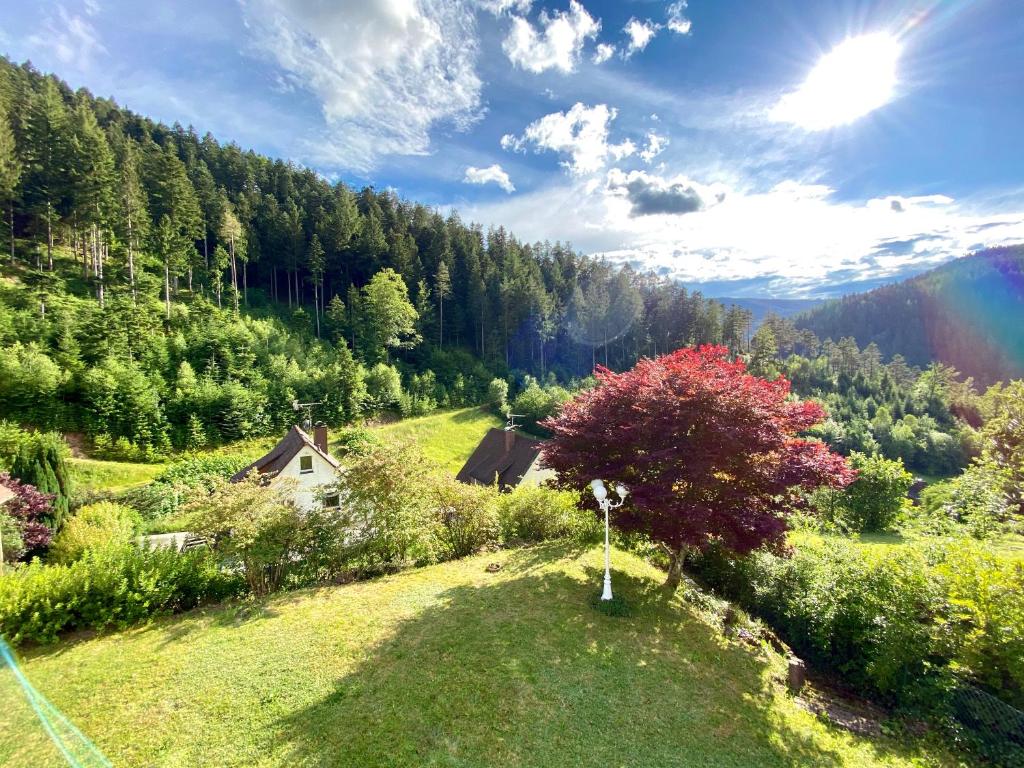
(492, 173)
(384, 73)
(655, 146)
(603, 52)
(791, 238)
(581, 132)
(498, 7)
(640, 33)
(676, 21)
(71, 38)
(556, 43)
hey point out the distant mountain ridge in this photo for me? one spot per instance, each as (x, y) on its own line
(968, 313)
(760, 308)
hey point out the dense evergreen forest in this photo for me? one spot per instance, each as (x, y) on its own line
(966, 314)
(170, 289)
(164, 291)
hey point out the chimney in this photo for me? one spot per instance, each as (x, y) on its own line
(320, 436)
(510, 439)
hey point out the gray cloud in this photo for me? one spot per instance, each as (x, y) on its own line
(650, 195)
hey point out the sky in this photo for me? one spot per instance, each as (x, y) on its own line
(771, 148)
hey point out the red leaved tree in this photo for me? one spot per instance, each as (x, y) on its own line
(708, 451)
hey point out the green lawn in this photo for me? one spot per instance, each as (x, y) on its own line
(446, 666)
(94, 475)
(447, 438)
(1010, 547)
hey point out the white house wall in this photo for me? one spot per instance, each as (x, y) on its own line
(307, 485)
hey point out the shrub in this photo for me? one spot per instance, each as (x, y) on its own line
(497, 395)
(875, 499)
(536, 403)
(536, 513)
(466, 515)
(92, 527)
(900, 625)
(386, 520)
(251, 524)
(29, 509)
(112, 587)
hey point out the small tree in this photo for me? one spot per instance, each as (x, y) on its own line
(497, 395)
(709, 452)
(252, 524)
(873, 501)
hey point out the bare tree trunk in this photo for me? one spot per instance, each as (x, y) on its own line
(167, 288)
(675, 567)
(10, 210)
(234, 274)
(131, 258)
(245, 282)
(49, 234)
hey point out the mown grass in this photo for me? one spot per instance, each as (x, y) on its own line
(1010, 547)
(446, 438)
(96, 475)
(445, 666)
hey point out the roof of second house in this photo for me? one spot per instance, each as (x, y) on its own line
(494, 459)
(278, 457)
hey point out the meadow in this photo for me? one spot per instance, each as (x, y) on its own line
(446, 665)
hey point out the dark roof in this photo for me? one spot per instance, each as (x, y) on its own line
(494, 460)
(279, 456)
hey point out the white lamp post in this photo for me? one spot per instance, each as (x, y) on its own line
(601, 494)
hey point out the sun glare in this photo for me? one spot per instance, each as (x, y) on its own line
(856, 77)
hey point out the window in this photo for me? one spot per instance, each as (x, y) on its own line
(305, 465)
(332, 501)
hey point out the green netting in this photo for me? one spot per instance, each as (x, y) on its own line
(991, 726)
(73, 745)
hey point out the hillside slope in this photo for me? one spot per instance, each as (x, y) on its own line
(445, 666)
(968, 313)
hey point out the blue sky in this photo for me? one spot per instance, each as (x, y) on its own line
(769, 148)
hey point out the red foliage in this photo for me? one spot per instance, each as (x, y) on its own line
(29, 507)
(707, 450)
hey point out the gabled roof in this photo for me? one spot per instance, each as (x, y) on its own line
(286, 450)
(494, 459)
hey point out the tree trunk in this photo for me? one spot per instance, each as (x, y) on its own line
(167, 288)
(131, 259)
(245, 282)
(11, 216)
(675, 567)
(49, 233)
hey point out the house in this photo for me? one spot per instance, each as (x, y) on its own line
(302, 459)
(506, 457)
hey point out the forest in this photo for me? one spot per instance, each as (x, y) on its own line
(164, 291)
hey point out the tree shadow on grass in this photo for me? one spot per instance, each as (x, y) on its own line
(523, 671)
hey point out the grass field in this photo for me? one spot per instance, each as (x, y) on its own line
(1010, 547)
(447, 438)
(93, 474)
(445, 666)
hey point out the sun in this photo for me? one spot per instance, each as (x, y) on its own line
(856, 77)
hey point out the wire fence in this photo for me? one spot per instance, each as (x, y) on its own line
(74, 746)
(989, 726)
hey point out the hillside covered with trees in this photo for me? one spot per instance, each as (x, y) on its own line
(965, 314)
(164, 289)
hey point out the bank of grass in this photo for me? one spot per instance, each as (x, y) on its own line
(446, 438)
(447, 666)
(1009, 547)
(96, 475)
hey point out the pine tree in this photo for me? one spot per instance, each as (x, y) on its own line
(315, 263)
(45, 157)
(442, 289)
(10, 172)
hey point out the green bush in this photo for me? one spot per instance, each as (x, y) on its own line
(535, 513)
(466, 515)
(871, 503)
(901, 625)
(94, 527)
(251, 525)
(181, 483)
(112, 587)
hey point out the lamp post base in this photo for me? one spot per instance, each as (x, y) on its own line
(607, 593)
